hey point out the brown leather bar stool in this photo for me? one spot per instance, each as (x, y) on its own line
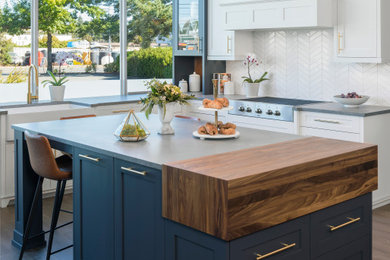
(46, 166)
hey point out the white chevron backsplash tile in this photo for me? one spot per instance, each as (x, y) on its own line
(301, 66)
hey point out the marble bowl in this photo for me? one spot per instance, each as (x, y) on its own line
(351, 102)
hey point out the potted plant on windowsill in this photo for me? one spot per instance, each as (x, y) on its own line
(56, 86)
(167, 97)
(252, 85)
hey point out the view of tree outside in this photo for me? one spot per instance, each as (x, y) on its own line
(88, 29)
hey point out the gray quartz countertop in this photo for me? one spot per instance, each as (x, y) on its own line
(335, 108)
(96, 134)
(101, 101)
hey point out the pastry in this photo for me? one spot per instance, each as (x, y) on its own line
(202, 130)
(227, 131)
(227, 126)
(224, 101)
(206, 102)
(214, 104)
(211, 129)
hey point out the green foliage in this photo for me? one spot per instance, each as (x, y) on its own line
(112, 67)
(91, 68)
(261, 79)
(17, 75)
(5, 47)
(54, 81)
(162, 93)
(146, 63)
(56, 43)
(150, 19)
(150, 63)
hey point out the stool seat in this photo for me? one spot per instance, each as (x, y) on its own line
(64, 164)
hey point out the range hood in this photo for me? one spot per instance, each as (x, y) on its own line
(277, 14)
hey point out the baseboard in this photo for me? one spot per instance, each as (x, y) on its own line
(377, 203)
(10, 200)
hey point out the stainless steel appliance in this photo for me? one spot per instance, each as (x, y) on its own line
(281, 109)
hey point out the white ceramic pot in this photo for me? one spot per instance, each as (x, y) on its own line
(166, 128)
(194, 82)
(57, 93)
(251, 89)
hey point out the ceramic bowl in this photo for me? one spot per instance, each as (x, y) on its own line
(351, 102)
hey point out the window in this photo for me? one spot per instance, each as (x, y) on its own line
(83, 44)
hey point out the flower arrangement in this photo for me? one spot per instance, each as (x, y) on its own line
(162, 93)
(249, 62)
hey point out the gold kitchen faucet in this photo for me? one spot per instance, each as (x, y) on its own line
(30, 97)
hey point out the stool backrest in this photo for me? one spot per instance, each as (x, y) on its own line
(41, 156)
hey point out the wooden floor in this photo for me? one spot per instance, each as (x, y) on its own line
(63, 236)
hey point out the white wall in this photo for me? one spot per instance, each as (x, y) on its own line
(301, 66)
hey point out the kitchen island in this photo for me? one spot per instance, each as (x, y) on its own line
(118, 192)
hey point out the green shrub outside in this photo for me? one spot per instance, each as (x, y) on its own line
(146, 63)
(6, 46)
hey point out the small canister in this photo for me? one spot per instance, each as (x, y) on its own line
(183, 85)
(229, 88)
(195, 82)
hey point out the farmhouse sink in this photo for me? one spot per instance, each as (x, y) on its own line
(44, 112)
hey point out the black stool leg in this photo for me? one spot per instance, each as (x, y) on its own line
(31, 213)
(56, 212)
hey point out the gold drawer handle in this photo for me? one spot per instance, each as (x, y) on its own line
(120, 111)
(133, 171)
(327, 121)
(351, 221)
(339, 37)
(89, 158)
(284, 248)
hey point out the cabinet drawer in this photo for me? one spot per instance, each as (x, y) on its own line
(357, 250)
(344, 136)
(340, 224)
(285, 241)
(333, 122)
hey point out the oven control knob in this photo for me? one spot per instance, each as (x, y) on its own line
(269, 112)
(241, 109)
(259, 111)
(277, 113)
(248, 109)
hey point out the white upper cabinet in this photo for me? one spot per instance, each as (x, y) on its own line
(360, 33)
(277, 14)
(222, 44)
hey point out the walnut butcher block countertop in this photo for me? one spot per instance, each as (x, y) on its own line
(234, 194)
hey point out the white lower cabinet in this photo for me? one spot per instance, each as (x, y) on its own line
(371, 129)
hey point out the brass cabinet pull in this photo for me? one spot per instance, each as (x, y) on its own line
(133, 171)
(284, 248)
(228, 48)
(327, 121)
(351, 221)
(339, 36)
(89, 158)
(120, 111)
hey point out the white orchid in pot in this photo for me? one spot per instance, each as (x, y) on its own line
(250, 83)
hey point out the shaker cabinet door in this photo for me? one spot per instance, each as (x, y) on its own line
(93, 205)
(357, 29)
(139, 224)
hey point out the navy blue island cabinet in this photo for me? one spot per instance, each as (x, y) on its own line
(340, 232)
(117, 207)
